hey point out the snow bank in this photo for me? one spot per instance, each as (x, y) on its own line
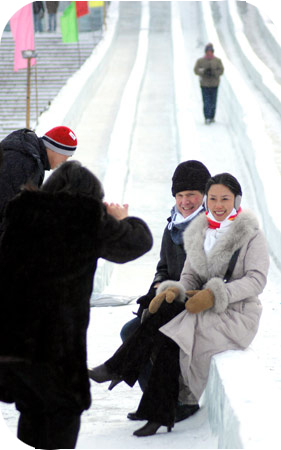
(261, 75)
(243, 403)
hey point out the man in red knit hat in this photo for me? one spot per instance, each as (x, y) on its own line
(26, 157)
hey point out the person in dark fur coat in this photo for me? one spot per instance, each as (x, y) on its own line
(26, 157)
(48, 257)
(205, 313)
(188, 186)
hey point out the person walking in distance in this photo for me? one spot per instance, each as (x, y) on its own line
(209, 68)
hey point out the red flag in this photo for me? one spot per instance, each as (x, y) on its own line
(23, 33)
(81, 8)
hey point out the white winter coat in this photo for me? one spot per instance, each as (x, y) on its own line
(233, 321)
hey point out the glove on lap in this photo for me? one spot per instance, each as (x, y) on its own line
(199, 301)
(169, 295)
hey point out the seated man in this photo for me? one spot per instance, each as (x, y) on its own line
(188, 185)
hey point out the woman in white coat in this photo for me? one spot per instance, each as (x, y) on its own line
(217, 316)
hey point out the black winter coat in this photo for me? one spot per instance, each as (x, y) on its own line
(48, 258)
(169, 267)
(24, 159)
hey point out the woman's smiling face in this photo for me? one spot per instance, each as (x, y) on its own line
(220, 201)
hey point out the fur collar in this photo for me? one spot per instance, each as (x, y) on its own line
(243, 228)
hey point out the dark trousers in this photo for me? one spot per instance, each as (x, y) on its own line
(158, 403)
(127, 330)
(209, 95)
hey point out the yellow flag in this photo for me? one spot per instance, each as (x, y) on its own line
(95, 4)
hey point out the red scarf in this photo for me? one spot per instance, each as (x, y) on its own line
(213, 225)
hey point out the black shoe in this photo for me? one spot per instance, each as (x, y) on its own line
(100, 374)
(149, 429)
(133, 416)
(185, 411)
(114, 382)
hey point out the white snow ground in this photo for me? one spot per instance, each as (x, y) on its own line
(166, 130)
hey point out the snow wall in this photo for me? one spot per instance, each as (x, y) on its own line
(243, 420)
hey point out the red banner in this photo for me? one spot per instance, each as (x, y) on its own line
(82, 8)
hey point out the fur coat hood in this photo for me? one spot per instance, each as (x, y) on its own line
(242, 230)
(207, 271)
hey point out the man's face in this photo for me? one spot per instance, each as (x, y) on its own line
(188, 201)
(55, 159)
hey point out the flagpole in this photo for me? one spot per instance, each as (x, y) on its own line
(104, 15)
(28, 94)
(78, 43)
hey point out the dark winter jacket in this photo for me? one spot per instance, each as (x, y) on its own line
(169, 267)
(24, 159)
(48, 258)
(38, 7)
(52, 7)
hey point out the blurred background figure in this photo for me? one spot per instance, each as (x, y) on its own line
(52, 8)
(38, 14)
(209, 68)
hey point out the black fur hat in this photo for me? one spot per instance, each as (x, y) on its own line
(190, 176)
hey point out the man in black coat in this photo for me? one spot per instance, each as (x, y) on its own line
(26, 157)
(188, 186)
(48, 257)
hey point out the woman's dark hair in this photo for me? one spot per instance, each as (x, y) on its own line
(71, 177)
(227, 180)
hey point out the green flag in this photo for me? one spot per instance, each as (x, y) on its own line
(68, 24)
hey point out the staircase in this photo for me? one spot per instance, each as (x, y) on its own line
(56, 62)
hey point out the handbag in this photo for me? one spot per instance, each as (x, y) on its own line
(231, 266)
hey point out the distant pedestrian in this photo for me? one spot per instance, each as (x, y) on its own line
(52, 8)
(209, 68)
(26, 157)
(38, 14)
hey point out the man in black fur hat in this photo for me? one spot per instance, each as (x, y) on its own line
(188, 185)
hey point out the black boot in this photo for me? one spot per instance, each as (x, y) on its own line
(102, 373)
(133, 416)
(185, 411)
(149, 429)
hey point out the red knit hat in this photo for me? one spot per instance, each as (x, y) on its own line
(61, 140)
